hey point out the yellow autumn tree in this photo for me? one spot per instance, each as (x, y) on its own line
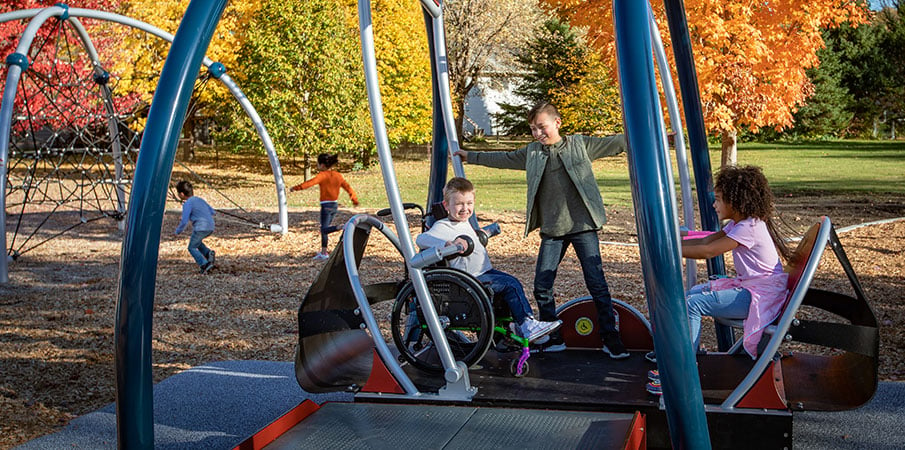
(403, 62)
(399, 38)
(750, 57)
(137, 58)
(140, 71)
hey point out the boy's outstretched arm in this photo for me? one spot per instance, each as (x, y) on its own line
(599, 147)
(515, 159)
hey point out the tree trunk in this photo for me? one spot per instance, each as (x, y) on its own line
(729, 154)
(365, 158)
(188, 133)
(460, 117)
(307, 168)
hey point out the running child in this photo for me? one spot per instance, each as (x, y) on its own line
(196, 210)
(329, 181)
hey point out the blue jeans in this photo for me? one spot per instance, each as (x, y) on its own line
(728, 304)
(587, 248)
(510, 289)
(197, 249)
(328, 212)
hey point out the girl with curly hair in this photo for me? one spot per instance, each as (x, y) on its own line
(742, 197)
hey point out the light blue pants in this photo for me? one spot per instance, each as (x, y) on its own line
(198, 250)
(728, 303)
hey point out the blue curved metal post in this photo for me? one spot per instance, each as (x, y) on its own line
(138, 272)
(656, 220)
(697, 138)
(439, 156)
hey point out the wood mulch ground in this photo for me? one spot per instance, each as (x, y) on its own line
(57, 311)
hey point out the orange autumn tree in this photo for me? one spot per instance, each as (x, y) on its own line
(750, 57)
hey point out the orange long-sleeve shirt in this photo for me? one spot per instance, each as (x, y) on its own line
(330, 181)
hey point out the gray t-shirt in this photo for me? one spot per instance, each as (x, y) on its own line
(560, 207)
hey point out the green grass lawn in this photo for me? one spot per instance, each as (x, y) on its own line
(817, 168)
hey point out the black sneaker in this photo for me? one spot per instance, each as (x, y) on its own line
(552, 345)
(206, 268)
(210, 257)
(651, 356)
(612, 345)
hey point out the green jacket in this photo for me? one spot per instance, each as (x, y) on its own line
(576, 156)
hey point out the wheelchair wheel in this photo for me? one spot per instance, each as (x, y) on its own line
(513, 368)
(465, 315)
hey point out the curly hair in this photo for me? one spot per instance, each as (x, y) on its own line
(746, 190)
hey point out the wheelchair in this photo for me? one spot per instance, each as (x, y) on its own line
(472, 321)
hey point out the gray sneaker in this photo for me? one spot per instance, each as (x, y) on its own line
(533, 329)
(549, 347)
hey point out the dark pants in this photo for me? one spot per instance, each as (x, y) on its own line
(587, 247)
(328, 212)
(510, 289)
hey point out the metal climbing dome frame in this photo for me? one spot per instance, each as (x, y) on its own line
(17, 63)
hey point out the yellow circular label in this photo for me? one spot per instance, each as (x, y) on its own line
(584, 326)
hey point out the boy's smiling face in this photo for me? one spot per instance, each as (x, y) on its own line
(460, 206)
(545, 128)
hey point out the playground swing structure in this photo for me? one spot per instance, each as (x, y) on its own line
(341, 349)
(82, 159)
(729, 381)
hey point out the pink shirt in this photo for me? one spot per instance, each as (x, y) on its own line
(759, 271)
(756, 254)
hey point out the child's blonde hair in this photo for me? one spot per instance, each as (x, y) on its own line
(545, 108)
(457, 184)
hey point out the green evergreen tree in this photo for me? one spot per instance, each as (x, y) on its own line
(828, 112)
(555, 60)
(871, 67)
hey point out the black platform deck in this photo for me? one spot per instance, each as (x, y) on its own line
(386, 426)
(589, 380)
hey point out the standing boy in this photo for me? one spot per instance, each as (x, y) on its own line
(458, 199)
(565, 203)
(196, 210)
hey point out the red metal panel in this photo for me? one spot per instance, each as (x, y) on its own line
(276, 429)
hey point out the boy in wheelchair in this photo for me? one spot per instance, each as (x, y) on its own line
(458, 199)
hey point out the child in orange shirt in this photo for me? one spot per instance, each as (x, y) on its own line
(329, 181)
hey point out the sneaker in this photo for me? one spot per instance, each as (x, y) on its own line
(210, 257)
(651, 356)
(612, 345)
(653, 375)
(550, 346)
(206, 268)
(654, 387)
(553, 344)
(533, 329)
(321, 256)
(539, 341)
